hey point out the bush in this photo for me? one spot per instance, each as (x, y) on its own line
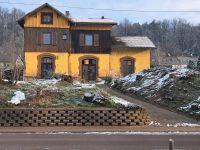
(108, 79)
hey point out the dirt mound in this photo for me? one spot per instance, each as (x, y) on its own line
(172, 88)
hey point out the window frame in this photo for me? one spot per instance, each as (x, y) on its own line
(64, 36)
(50, 38)
(42, 17)
(92, 42)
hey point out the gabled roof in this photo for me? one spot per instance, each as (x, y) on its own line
(95, 21)
(133, 42)
(21, 20)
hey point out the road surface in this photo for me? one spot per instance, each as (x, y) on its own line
(96, 142)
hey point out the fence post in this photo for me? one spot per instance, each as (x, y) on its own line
(171, 144)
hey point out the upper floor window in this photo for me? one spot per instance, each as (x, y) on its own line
(47, 38)
(88, 40)
(46, 18)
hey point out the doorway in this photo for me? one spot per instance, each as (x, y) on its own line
(47, 67)
(127, 66)
(89, 69)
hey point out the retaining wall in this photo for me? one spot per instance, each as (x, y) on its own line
(72, 117)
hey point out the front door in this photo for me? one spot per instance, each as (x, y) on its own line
(127, 67)
(89, 69)
(46, 67)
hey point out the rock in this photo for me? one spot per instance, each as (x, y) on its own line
(94, 98)
(126, 107)
(88, 97)
(194, 107)
(98, 98)
(139, 77)
(67, 78)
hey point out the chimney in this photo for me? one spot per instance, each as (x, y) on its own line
(67, 13)
(102, 17)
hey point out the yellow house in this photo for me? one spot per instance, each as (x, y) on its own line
(54, 43)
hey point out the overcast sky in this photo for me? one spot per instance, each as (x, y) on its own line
(119, 4)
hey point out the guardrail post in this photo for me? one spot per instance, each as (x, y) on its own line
(171, 144)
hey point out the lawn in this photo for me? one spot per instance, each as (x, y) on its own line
(53, 94)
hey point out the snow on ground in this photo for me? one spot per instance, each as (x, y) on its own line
(45, 82)
(79, 85)
(101, 82)
(193, 107)
(183, 125)
(155, 124)
(118, 100)
(132, 77)
(17, 98)
(150, 81)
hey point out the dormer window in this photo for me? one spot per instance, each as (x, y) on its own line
(46, 18)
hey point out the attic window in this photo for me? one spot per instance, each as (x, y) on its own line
(46, 18)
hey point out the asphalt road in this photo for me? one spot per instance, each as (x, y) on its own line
(96, 142)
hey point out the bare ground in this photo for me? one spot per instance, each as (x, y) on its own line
(157, 113)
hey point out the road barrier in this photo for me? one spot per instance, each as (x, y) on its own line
(73, 117)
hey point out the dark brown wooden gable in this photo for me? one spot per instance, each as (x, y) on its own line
(101, 41)
(33, 41)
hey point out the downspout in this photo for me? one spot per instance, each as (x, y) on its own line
(69, 54)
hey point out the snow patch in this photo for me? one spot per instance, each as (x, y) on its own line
(183, 125)
(100, 83)
(155, 124)
(80, 85)
(118, 100)
(41, 82)
(17, 98)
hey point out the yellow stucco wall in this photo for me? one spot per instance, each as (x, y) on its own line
(31, 62)
(108, 65)
(103, 64)
(142, 59)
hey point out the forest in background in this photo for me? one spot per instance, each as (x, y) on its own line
(176, 36)
(11, 34)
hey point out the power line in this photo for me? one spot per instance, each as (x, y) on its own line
(108, 9)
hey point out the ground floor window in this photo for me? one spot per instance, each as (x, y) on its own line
(127, 66)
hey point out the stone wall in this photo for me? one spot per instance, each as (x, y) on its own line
(73, 117)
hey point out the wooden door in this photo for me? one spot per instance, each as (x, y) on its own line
(89, 69)
(127, 67)
(46, 67)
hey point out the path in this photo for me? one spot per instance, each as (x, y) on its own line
(157, 113)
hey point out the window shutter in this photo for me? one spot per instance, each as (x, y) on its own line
(96, 39)
(54, 38)
(39, 38)
(82, 39)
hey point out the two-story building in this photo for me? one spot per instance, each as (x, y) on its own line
(83, 48)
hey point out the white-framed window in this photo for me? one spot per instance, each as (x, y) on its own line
(47, 38)
(88, 40)
(64, 36)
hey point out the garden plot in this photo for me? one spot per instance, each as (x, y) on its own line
(57, 94)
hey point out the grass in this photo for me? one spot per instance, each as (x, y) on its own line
(67, 96)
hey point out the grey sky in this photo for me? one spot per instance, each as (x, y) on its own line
(119, 4)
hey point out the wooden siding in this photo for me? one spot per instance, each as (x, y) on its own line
(33, 40)
(91, 27)
(104, 42)
(34, 20)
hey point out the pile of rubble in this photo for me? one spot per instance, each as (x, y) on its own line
(173, 88)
